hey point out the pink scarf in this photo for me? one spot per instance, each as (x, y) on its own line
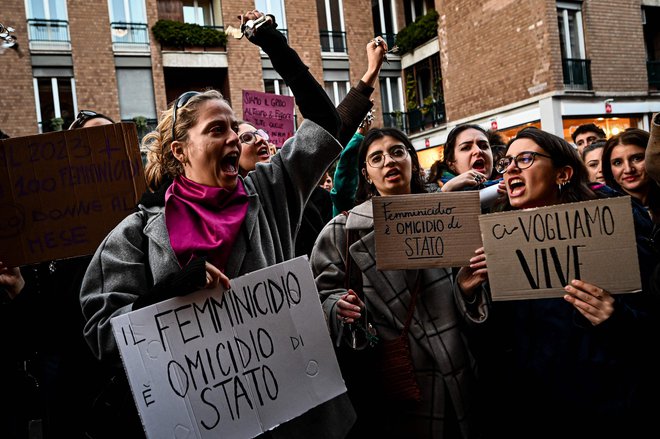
(204, 221)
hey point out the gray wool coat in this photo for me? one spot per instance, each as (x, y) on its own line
(444, 366)
(137, 254)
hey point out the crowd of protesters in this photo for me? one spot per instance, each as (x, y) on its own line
(222, 203)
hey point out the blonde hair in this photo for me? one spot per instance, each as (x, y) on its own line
(157, 144)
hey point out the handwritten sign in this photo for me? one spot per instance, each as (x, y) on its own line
(231, 365)
(426, 230)
(270, 112)
(61, 193)
(534, 253)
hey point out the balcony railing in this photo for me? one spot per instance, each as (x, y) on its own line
(577, 73)
(333, 41)
(419, 119)
(653, 70)
(48, 34)
(132, 37)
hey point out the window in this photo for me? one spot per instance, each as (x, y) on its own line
(384, 14)
(55, 99)
(128, 21)
(136, 93)
(198, 12)
(331, 25)
(275, 8)
(48, 28)
(413, 9)
(337, 90)
(276, 86)
(570, 30)
(391, 94)
(575, 66)
(128, 11)
(47, 9)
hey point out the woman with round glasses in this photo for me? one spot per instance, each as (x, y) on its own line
(255, 148)
(378, 303)
(215, 224)
(563, 367)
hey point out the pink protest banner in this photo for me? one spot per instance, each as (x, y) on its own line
(270, 112)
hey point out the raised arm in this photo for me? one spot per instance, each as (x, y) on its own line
(312, 100)
(354, 107)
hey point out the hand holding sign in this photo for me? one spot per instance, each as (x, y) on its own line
(594, 303)
(471, 277)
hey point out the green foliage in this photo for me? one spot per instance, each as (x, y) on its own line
(178, 34)
(140, 122)
(421, 31)
(56, 123)
(411, 91)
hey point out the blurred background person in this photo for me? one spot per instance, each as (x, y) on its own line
(592, 157)
(587, 134)
(326, 182)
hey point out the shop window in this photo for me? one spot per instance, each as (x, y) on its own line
(611, 125)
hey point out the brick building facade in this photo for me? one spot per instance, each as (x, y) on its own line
(499, 63)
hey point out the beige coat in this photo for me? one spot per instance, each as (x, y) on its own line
(444, 366)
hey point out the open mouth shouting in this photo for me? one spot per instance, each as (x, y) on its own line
(479, 165)
(229, 164)
(263, 153)
(515, 186)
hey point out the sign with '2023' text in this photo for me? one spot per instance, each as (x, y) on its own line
(62, 192)
(534, 253)
(426, 230)
(231, 364)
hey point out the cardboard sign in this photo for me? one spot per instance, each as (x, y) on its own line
(270, 112)
(62, 192)
(232, 364)
(534, 253)
(426, 230)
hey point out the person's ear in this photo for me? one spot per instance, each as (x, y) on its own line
(366, 175)
(564, 175)
(178, 152)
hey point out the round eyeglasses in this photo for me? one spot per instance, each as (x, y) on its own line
(522, 161)
(397, 153)
(250, 137)
(181, 102)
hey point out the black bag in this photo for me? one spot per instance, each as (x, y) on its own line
(114, 413)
